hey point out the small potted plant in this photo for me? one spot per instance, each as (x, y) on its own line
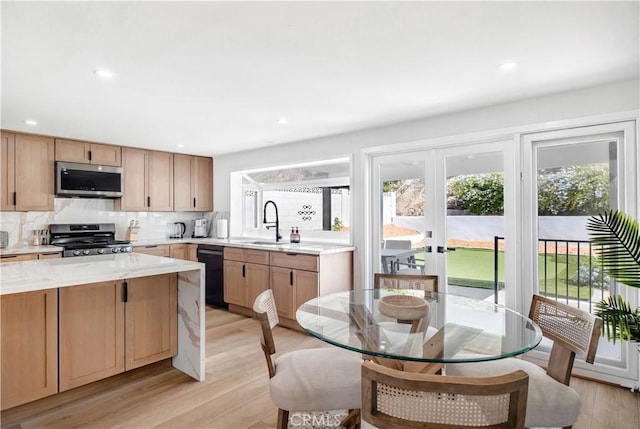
(618, 236)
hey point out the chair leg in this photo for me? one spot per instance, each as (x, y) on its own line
(283, 419)
(352, 420)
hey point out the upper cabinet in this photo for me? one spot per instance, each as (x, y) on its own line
(193, 183)
(27, 173)
(148, 181)
(88, 153)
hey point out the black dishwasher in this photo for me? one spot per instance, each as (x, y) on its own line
(213, 259)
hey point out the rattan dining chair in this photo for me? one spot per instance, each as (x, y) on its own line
(551, 402)
(405, 281)
(394, 399)
(322, 379)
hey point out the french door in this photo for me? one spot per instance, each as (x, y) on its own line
(413, 201)
(569, 175)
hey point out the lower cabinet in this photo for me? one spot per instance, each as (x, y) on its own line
(244, 281)
(294, 278)
(111, 327)
(29, 346)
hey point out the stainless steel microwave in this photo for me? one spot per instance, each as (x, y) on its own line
(89, 181)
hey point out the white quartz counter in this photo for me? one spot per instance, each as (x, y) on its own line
(311, 248)
(54, 273)
(23, 250)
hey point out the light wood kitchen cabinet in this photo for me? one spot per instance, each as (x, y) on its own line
(30, 256)
(179, 251)
(92, 319)
(88, 153)
(110, 327)
(246, 275)
(18, 258)
(151, 319)
(147, 181)
(192, 252)
(193, 183)
(156, 250)
(27, 172)
(292, 287)
(29, 346)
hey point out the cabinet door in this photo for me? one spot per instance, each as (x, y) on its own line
(134, 181)
(256, 282)
(192, 252)
(203, 182)
(34, 164)
(29, 346)
(104, 154)
(179, 251)
(182, 194)
(234, 282)
(282, 287)
(72, 151)
(7, 172)
(305, 286)
(91, 333)
(151, 319)
(160, 180)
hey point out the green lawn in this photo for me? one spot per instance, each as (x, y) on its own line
(474, 268)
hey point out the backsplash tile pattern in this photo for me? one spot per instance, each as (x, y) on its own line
(153, 225)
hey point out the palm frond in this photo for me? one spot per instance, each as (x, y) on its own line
(619, 320)
(618, 236)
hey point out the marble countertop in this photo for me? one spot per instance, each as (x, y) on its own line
(34, 275)
(250, 243)
(22, 250)
(311, 248)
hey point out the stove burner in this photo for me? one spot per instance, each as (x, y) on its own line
(85, 240)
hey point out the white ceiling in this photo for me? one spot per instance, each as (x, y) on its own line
(217, 76)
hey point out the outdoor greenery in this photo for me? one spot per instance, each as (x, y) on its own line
(479, 194)
(577, 190)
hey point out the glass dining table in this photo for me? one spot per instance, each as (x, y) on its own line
(456, 330)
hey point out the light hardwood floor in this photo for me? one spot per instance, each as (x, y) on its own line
(235, 394)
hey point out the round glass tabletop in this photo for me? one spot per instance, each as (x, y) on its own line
(451, 329)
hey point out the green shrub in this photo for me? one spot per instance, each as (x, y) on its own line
(578, 190)
(479, 194)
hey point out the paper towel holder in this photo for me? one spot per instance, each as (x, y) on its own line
(221, 228)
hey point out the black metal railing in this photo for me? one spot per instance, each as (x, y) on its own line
(567, 272)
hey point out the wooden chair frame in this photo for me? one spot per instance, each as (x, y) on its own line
(430, 281)
(514, 384)
(572, 331)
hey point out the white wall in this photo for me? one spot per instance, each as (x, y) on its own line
(510, 118)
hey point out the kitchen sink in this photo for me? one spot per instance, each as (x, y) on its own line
(268, 243)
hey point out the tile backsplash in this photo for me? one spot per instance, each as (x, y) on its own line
(153, 225)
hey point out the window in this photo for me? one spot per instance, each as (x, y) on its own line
(315, 198)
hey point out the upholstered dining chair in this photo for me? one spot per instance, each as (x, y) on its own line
(551, 402)
(322, 379)
(405, 281)
(396, 399)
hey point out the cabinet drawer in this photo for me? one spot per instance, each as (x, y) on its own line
(18, 258)
(163, 250)
(256, 256)
(294, 260)
(234, 254)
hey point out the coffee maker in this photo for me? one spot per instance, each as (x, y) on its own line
(199, 228)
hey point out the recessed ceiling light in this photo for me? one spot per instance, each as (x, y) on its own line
(30, 122)
(283, 121)
(180, 145)
(508, 65)
(104, 74)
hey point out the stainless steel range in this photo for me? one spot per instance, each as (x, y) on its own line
(87, 239)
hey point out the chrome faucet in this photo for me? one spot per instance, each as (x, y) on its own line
(272, 224)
